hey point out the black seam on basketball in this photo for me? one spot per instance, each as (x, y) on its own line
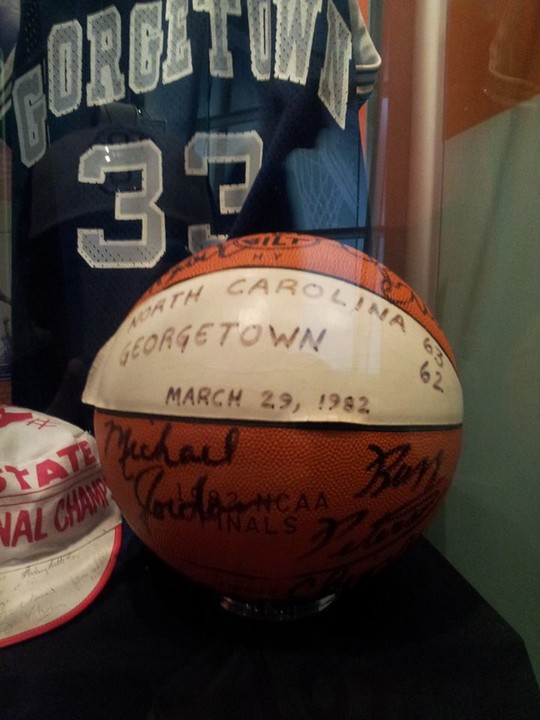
(326, 426)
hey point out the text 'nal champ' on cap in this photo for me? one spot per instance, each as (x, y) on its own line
(60, 529)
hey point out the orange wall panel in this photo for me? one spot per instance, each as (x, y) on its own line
(492, 59)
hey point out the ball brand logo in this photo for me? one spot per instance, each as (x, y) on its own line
(273, 241)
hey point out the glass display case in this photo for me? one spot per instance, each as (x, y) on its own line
(135, 135)
(455, 177)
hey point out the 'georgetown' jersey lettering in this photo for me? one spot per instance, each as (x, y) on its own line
(142, 131)
(150, 33)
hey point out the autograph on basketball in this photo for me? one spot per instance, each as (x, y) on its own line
(133, 451)
(196, 497)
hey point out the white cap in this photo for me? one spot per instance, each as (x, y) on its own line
(60, 529)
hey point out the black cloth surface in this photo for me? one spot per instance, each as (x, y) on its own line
(416, 642)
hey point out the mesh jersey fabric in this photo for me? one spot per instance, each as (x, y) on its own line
(144, 131)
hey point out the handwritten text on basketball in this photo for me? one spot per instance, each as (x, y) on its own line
(280, 344)
(270, 400)
(217, 335)
(182, 485)
(198, 497)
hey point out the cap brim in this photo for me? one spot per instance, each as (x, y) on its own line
(40, 596)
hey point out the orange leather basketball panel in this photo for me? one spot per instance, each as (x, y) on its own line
(269, 512)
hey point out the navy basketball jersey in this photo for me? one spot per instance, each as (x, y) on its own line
(144, 131)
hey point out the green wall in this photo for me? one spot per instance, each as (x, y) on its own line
(489, 305)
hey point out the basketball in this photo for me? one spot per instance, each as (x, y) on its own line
(277, 417)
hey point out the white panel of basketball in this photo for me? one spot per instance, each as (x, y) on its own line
(278, 345)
